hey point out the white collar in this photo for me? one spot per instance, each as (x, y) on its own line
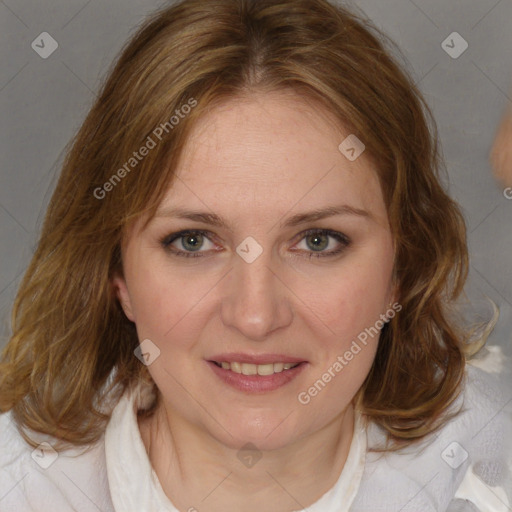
(134, 485)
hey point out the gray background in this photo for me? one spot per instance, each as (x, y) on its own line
(44, 101)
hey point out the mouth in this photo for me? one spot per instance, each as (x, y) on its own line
(253, 378)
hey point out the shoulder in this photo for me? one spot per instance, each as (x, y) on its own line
(474, 444)
(487, 482)
(45, 480)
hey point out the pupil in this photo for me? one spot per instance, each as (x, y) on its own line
(195, 242)
(316, 239)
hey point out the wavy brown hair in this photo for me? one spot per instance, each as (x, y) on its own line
(69, 331)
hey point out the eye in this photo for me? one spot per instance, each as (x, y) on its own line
(191, 241)
(188, 244)
(317, 240)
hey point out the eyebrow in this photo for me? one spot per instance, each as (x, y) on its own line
(301, 218)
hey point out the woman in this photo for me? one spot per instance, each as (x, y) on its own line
(240, 299)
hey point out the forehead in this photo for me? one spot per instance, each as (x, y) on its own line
(264, 154)
(267, 134)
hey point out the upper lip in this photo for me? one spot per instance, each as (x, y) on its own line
(255, 359)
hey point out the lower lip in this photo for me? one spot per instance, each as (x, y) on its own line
(257, 383)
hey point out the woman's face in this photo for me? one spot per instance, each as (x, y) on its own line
(260, 278)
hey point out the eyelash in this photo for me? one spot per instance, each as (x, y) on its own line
(340, 237)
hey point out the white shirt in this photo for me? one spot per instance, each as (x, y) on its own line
(115, 474)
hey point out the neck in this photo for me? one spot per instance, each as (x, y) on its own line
(197, 472)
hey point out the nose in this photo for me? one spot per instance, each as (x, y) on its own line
(256, 301)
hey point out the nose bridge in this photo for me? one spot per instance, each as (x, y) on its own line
(255, 302)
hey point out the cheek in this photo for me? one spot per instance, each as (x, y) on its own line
(351, 310)
(158, 300)
(169, 304)
(353, 297)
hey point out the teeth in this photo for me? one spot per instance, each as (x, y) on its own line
(265, 369)
(249, 369)
(257, 369)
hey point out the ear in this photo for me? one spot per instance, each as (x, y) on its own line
(122, 294)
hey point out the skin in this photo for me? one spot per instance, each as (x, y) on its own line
(501, 153)
(256, 161)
